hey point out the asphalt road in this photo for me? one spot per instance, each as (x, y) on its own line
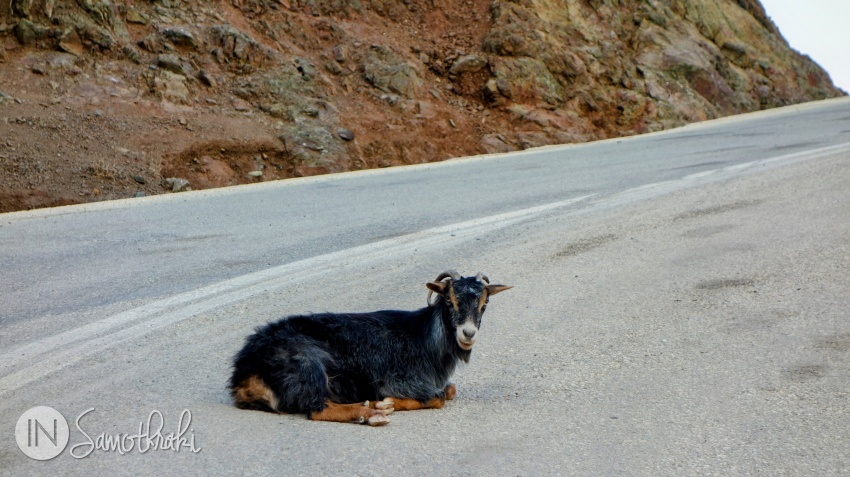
(680, 308)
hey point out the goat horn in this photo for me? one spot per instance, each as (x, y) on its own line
(448, 274)
(481, 277)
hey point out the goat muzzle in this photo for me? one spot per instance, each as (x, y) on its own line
(466, 335)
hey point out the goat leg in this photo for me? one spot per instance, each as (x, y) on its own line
(359, 413)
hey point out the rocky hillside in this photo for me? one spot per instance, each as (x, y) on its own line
(104, 99)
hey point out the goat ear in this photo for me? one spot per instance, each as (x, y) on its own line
(437, 287)
(493, 289)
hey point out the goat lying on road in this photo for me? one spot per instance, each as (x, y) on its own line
(361, 367)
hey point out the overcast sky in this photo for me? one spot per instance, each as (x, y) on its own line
(818, 28)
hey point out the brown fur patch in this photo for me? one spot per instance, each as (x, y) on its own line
(451, 392)
(407, 404)
(482, 300)
(453, 298)
(253, 391)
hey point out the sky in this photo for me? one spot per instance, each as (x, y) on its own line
(818, 28)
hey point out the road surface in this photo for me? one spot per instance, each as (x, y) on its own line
(680, 308)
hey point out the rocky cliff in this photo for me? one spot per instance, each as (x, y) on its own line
(107, 98)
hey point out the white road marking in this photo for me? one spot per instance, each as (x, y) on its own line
(660, 188)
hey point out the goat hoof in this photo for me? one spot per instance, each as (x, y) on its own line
(378, 420)
(385, 407)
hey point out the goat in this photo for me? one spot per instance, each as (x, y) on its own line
(360, 367)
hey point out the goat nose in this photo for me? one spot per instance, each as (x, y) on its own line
(469, 333)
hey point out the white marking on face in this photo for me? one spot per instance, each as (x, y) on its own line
(466, 335)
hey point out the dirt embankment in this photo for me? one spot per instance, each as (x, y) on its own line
(105, 99)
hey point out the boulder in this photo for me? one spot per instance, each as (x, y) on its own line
(172, 87)
(467, 64)
(526, 80)
(388, 72)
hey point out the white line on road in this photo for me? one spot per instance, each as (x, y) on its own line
(656, 189)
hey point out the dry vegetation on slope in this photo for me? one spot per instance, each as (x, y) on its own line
(105, 99)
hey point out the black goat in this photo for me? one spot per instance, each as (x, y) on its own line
(361, 367)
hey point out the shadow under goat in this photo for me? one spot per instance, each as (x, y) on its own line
(360, 367)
